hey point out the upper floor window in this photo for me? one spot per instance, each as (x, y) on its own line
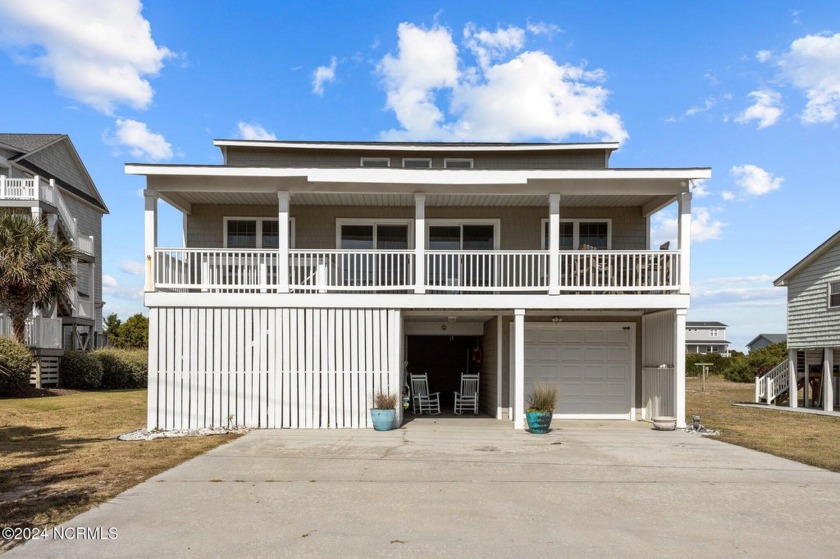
(447, 234)
(582, 233)
(417, 163)
(834, 294)
(376, 162)
(713, 333)
(452, 163)
(365, 234)
(250, 232)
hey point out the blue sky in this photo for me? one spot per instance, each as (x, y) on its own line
(751, 89)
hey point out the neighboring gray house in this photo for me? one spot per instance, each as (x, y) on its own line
(813, 337)
(706, 337)
(764, 340)
(42, 174)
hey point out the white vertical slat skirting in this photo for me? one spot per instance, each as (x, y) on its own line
(270, 368)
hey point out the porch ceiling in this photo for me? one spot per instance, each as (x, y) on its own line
(407, 200)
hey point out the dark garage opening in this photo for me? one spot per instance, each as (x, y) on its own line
(444, 358)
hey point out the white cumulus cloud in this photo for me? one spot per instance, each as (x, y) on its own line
(323, 75)
(109, 281)
(504, 98)
(491, 45)
(754, 180)
(704, 226)
(132, 267)
(99, 52)
(811, 64)
(763, 55)
(254, 131)
(766, 109)
(699, 188)
(139, 140)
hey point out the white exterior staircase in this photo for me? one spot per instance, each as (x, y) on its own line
(774, 383)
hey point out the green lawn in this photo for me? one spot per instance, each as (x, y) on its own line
(810, 439)
(59, 455)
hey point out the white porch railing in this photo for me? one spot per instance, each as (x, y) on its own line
(773, 383)
(86, 245)
(346, 270)
(229, 270)
(619, 270)
(381, 271)
(40, 332)
(492, 271)
(37, 190)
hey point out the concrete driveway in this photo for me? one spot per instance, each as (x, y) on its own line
(469, 487)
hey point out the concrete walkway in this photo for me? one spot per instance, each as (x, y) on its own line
(468, 488)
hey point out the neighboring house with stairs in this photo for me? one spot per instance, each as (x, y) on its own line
(706, 337)
(813, 337)
(43, 175)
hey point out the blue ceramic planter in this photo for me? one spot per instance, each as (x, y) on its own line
(383, 420)
(538, 421)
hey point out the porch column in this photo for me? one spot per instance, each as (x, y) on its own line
(499, 353)
(150, 225)
(679, 367)
(36, 214)
(684, 241)
(553, 244)
(828, 379)
(419, 242)
(519, 368)
(283, 241)
(793, 392)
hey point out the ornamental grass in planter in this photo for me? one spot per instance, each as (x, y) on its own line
(541, 402)
(384, 411)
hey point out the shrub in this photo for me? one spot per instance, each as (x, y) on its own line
(383, 401)
(542, 397)
(744, 368)
(132, 334)
(15, 365)
(719, 363)
(123, 368)
(80, 370)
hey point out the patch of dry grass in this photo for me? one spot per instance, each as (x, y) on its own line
(810, 439)
(59, 456)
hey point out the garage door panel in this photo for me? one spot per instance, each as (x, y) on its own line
(590, 363)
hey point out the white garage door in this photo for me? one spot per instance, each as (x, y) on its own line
(591, 364)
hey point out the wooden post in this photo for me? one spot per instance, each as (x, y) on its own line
(828, 379)
(553, 244)
(499, 353)
(679, 365)
(519, 368)
(150, 225)
(793, 392)
(684, 233)
(419, 242)
(283, 242)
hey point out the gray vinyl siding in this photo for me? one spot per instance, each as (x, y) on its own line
(315, 226)
(58, 161)
(263, 157)
(89, 222)
(703, 335)
(811, 324)
(488, 387)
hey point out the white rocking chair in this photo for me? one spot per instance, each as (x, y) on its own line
(422, 400)
(467, 398)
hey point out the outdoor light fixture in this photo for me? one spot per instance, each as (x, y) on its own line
(556, 320)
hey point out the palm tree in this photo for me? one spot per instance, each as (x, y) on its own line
(35, 268)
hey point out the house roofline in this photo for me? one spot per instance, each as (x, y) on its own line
(162, 169)
(417, 146)
(813, 255)
(702, 323)
(752, 341)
